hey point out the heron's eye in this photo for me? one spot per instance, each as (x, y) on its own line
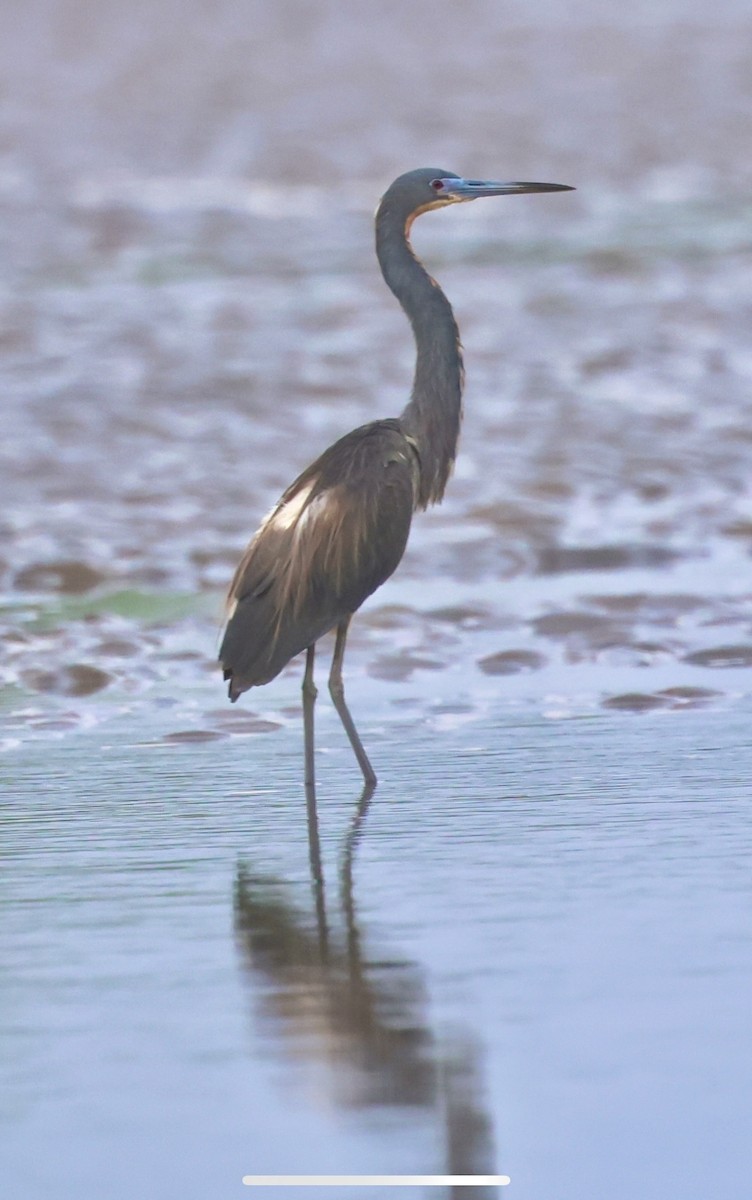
(437, 185)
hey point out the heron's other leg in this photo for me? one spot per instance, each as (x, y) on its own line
(310, 693)
(337, 692)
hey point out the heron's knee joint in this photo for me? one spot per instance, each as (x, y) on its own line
(336, 689)
(309, 689)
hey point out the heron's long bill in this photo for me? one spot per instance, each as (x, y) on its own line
(473, 189)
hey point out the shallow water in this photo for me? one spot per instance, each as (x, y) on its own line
(531, 954)
(534, 961)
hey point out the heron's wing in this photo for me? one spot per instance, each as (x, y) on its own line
(336, 534)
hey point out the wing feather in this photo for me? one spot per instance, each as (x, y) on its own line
(337, 533)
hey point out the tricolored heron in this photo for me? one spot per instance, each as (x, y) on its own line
(341, 528)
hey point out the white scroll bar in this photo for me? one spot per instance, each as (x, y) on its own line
(375, 1180)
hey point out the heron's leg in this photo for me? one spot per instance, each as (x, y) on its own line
(310, 693)
(337, 692)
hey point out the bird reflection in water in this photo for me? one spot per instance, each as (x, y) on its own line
(363, 1017)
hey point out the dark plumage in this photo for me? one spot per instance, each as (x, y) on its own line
(337, 533)
(340, 530)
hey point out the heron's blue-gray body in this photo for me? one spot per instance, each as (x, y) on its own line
(340, 530)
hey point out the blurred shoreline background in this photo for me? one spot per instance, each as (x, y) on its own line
(191, 310)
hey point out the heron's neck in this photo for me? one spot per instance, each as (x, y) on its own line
(434, 412)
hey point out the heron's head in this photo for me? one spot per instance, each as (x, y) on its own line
(417, 191)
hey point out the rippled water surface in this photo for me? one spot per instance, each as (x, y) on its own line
(530, 953)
